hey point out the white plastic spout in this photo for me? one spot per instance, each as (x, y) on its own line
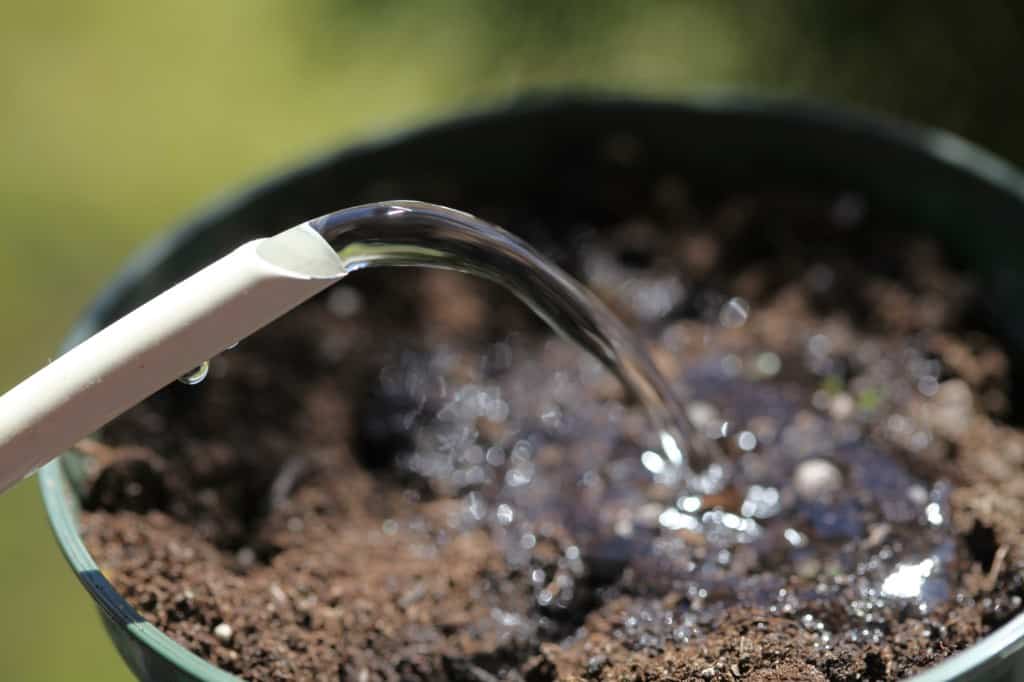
(131, 359)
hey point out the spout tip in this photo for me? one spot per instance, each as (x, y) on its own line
(302, 251)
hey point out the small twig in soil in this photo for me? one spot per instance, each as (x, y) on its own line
(997, 565)
(286, 481)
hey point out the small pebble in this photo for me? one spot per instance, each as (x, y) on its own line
(817, 478)
(278, 594)
(954, 393)
(734, 313)
(596, 664)
(877, 534)
(224, 633)
(245, 557)
(952, 408)
(842, 406)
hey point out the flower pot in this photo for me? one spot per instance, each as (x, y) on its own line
(967, 199)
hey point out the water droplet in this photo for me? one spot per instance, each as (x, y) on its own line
(768, 364)
(734, 313)
(690, 503)
(476, 506)
(917, 494)
(653, 462)
(197, 375)
(795, 537)
(675, 520)
(928, 386)
(731, 365)
(507, 619)
(520, 476)
(819, 345)
(495, 456)
(934, 514)
(505, 514)
(908, 579)
(761, 502)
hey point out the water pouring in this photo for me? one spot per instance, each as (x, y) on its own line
(175, 334)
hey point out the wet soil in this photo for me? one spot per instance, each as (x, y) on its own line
(410, 478)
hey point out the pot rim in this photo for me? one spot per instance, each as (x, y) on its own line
(941, 146)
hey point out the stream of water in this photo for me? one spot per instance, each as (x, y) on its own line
(418, 234)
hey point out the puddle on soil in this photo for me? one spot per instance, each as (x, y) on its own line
(825, 508)
(535, 444)
(535, 440)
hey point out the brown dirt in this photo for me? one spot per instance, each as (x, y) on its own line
(427, 486)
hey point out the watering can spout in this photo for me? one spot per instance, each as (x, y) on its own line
(160, 341)
(254, 285)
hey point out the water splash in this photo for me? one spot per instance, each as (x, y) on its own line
(409, 233)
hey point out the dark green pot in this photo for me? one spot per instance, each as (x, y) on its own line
(969, 199)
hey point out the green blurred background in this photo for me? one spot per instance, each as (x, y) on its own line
(119, 118)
